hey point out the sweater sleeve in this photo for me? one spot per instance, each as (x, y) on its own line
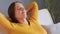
(34, 11)
(4, 22)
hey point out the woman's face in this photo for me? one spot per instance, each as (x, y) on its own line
(20, 12)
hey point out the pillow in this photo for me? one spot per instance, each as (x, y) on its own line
(52, 29)
(44, 17)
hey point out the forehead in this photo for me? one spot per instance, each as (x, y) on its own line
(19, 5)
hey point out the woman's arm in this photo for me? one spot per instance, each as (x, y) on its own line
(4, 22)
(33, 8)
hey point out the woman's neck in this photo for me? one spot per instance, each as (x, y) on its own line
(21, 21)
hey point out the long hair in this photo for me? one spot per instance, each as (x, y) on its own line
(11, 11)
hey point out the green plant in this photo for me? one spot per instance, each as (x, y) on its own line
(51, 6)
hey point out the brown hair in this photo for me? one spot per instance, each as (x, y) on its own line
(11, 11)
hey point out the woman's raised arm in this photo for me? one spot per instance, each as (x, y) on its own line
(33, 8)
(4, 22)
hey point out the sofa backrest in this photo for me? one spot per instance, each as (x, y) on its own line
(44, 17)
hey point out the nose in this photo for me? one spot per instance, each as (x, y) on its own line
(24, 11)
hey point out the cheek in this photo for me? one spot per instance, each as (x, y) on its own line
(16, 14)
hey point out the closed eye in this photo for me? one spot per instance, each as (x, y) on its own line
(21, 9)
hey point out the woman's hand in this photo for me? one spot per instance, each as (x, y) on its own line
(8, 18)
(29, 7)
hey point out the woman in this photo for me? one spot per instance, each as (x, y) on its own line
(19, 24)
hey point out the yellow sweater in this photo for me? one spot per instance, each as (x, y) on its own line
(16, 28)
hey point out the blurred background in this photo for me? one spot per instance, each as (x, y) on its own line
(52, 5)
(4, 4)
